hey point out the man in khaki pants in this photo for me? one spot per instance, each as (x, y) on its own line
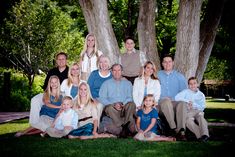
(116, 96)
(172, 82)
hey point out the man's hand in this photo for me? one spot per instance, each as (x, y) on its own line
(118, 106)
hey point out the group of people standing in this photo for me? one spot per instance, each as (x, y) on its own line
(93, 99)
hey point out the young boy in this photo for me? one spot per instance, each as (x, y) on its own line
(196, 104)
(65, 121)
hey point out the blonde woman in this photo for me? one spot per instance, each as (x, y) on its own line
(88, 115)
(89, 56)
(69, 86)
(146, 83)
(52, 102)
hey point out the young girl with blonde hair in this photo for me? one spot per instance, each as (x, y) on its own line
(146, 122)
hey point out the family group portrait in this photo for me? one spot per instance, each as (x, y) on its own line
(117, 78)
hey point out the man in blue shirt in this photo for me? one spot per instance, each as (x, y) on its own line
(116, 95)
(172, 82)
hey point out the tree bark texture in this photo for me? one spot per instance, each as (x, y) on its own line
(146, 30)
(187, 45)
(208, 31)
(98, 22)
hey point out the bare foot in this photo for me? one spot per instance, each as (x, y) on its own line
(18, 134)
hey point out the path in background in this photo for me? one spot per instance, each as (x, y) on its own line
(10, 116)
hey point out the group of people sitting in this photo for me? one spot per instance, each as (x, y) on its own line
(92, 99)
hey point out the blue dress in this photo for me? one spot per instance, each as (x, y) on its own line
(51, 112)
(145, 119)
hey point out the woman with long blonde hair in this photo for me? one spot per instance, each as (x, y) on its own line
(89, 56)
(69, 86)
(87, 114)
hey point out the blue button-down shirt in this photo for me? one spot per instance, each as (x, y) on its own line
(171, 83)
(113, 91)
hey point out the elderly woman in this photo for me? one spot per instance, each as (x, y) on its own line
(97, 77)
(89, 56)
(146, 83)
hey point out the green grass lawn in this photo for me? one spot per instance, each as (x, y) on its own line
(220, 144)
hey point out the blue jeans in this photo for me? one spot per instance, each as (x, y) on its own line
(85, 130)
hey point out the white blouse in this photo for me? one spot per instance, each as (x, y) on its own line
(153, 87)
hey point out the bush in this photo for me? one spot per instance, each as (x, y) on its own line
(20, 92)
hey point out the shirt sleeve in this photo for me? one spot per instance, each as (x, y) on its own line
(128, 93)
(183, 83)
(74, 122)
(154, 114)
(139, 113)
(90, 82)
(103, 94)
(181, 96)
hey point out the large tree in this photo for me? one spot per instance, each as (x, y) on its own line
(208, 30)
(98, 22)
(191, 37)
(146, 30)
(187, 45)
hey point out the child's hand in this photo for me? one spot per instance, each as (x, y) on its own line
(190, 105)
(140, 131)
(68, 128)
(118, 106)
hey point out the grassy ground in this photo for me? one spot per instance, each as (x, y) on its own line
(220, 144)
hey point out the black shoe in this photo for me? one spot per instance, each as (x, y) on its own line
(204, 138)
(172, 132)
(181, 135)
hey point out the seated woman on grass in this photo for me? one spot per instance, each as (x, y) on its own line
(146, 122)
(52, 102)
(88, 116)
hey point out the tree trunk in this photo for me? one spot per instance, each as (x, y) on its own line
(208, 29)
(146, 30)
(187, 45)
(98, 22)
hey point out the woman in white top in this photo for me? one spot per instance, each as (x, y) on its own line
(146, 83)
(89, 56)
(69, 86)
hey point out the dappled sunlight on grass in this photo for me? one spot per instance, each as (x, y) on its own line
(221, 104)
(13, 126)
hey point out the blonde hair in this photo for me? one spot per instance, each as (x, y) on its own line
(70, 78)
(67, 98)
(48, 90)
(153, 76)
(89, 99)
(95, 51)
(103, 57)
(148, 96)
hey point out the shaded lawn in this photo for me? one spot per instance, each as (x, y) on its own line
(221, 141)
(37, 146)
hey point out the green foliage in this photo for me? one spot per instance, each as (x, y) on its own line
(217, 69)
(20, 92)
(124, 18)
(35, 31)
(166, 25)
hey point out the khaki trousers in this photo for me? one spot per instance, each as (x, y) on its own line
(121, 117)
(194, 117)
(175, 113)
